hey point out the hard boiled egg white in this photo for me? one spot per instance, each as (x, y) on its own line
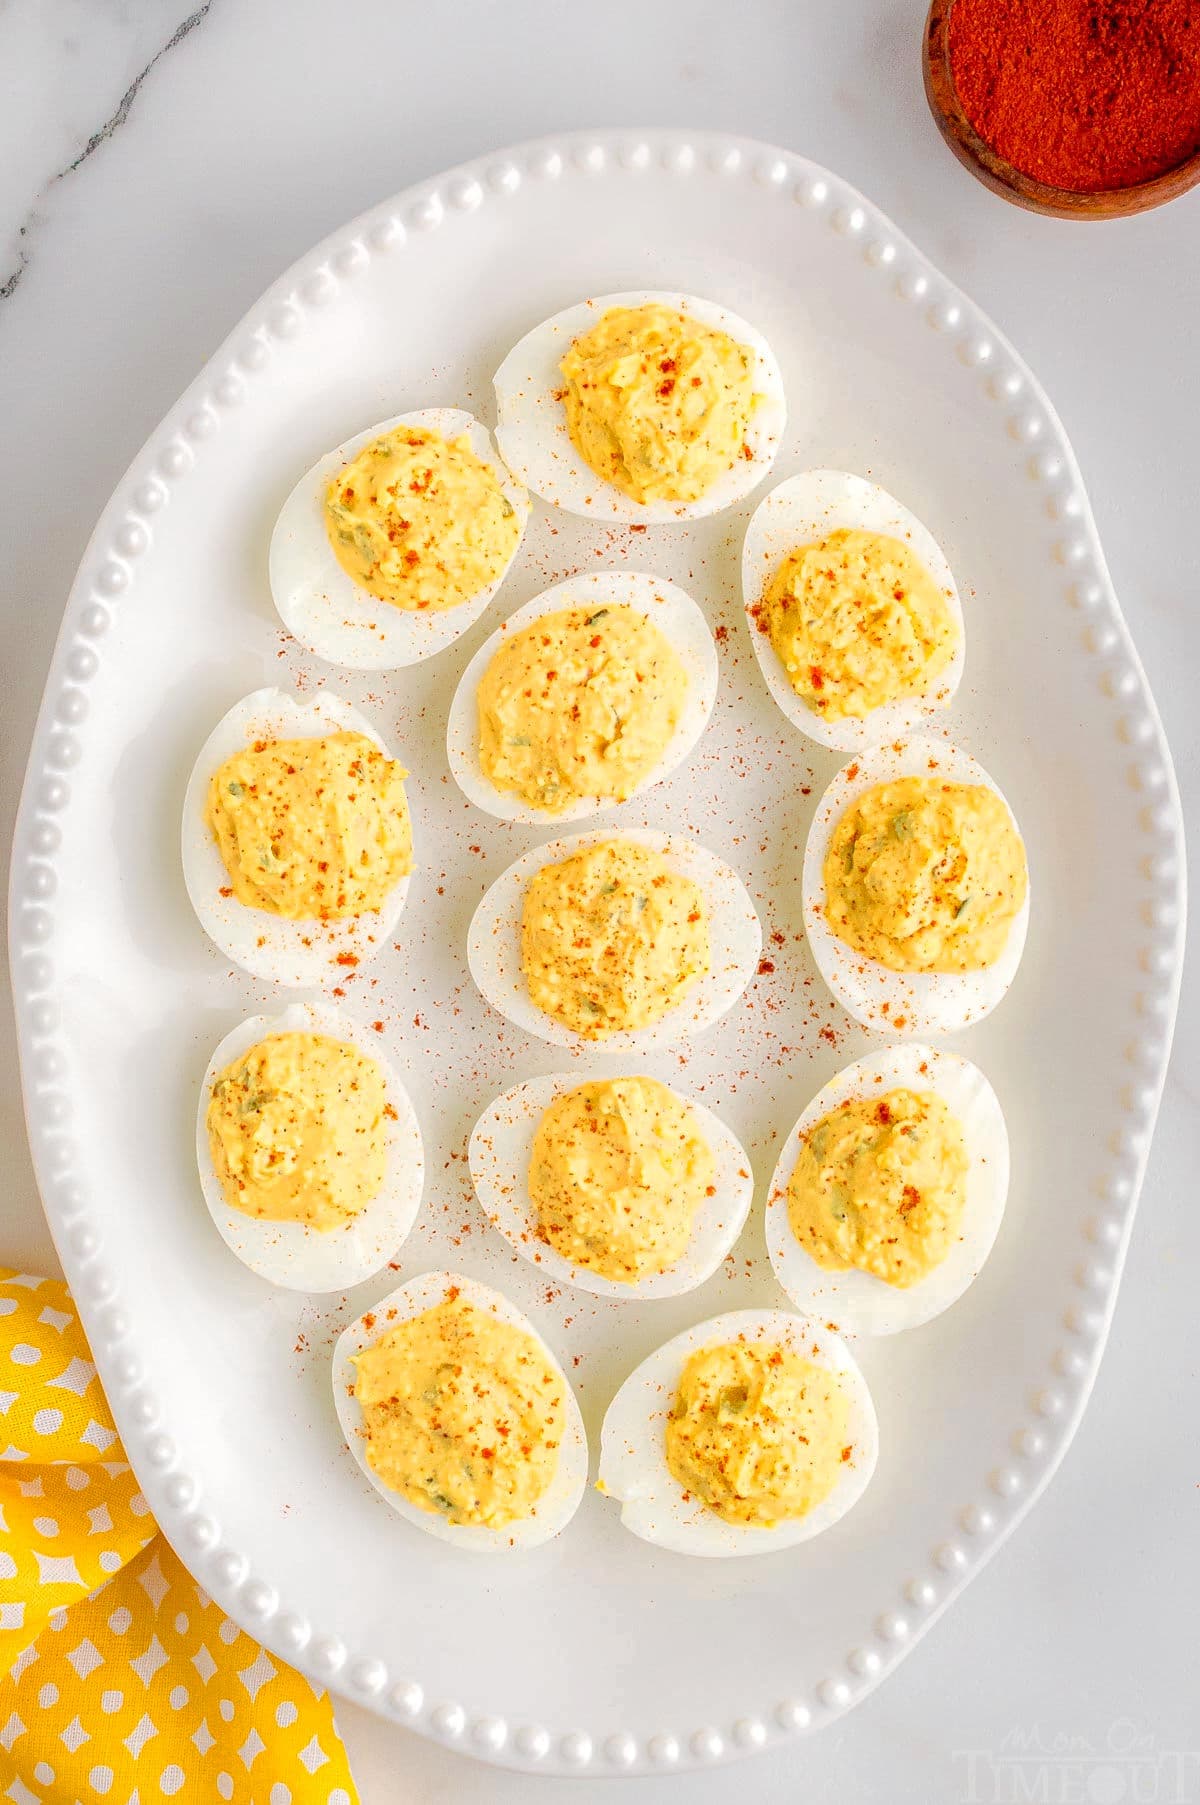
(633, 1448)
(532, 424)
(557, 1504)
(735, 941)
(857, 1302)
(325, 608)
(500, 1150)
(801, 511)
(291, 1253)
(290, 952)
(671, 610)
(900, 1002)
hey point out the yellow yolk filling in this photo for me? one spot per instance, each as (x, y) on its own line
(857, 621)
(757, 1433)
(925, 875)
(612, 938)
(311, 829)
(619, 1169)
(579, 704)
(881, 1184)
(464, 1414)
(297, 1131)
(658, 404)
(420, 521)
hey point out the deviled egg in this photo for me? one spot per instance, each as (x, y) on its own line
(460, 1416)
(916, 890)
(854, 613)
(394, 543)
(633, 939)
(889, 1192)
(620, 1186)
(308, 1147)
(642, 407)
(297, 843)
(745, 1434)
(591, 693)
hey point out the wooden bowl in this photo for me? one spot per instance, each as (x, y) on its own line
(997, 173)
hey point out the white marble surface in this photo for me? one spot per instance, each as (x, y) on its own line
(158, 167)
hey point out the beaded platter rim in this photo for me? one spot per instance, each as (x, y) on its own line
(108, 570)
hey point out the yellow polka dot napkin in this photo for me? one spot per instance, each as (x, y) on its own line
(120, 1680)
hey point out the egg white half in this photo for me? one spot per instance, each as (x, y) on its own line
(857, 1302)
(532, 423)
(499, 1154)
(296, 953)
(290, 1253)
(735, 941)
(633, 1447)
(324, 607)
(801, 511)
(898, 1002)
(557, 1504)
(667, 606)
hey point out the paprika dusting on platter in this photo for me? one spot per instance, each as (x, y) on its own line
(1087, 95)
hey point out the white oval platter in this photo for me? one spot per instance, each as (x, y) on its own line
(596, 1653)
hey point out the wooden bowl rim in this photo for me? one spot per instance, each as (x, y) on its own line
(1003, 177)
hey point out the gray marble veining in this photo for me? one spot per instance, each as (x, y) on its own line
(159, 166)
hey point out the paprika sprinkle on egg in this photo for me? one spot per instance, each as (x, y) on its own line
(1086, 95)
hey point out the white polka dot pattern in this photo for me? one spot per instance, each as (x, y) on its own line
(141, 1684)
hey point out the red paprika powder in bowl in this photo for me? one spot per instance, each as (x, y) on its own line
(1086, 109)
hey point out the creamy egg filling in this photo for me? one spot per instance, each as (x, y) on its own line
(612, 938)
(757, 1433)
(926, 875)
(880, 1184)
(580, 703)
(311, 829)
(857, 621)
(464, 1414)
(618, 1170)
(658, 404)
(420, 521)
(297, 1129)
